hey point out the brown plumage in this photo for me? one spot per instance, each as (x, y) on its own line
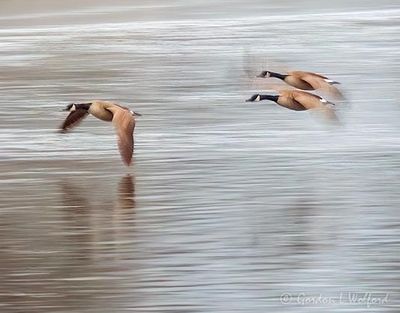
(122, 118)
(306, 81)
(299, 101)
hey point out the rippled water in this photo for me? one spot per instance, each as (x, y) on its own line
(229, 205)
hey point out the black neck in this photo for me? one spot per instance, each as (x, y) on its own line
(269, 97)
(277, 75)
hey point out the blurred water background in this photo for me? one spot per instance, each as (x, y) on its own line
(229, 205)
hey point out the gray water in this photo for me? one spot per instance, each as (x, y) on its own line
(229, 206)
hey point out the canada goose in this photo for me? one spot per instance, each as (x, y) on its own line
(299, 101)
(122, 117)
(306, 81)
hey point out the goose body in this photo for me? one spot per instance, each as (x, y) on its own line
(122, 118)
(102, 110)
(306, 81)
(297, 100)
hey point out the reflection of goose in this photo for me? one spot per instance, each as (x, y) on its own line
(76, 201)
(91, 218)
(122, 118)
(73, 199)
(123, 215)
(126, 192)
(78, 219)
(84, 216)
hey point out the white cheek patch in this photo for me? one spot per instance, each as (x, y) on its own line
(258, 98)
(73, 108)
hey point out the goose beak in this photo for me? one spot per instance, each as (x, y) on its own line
(248, 100)
(263, 74)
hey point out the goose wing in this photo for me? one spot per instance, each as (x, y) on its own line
(307, 99)
(124, 123)
(73, 119)
(318, 82)
(317, 105)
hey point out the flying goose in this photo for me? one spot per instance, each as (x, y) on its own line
(122, 118)
(306, 81)
(299, 101)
